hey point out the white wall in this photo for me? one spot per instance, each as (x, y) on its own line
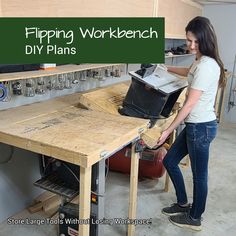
(223, 18)
(16, 182)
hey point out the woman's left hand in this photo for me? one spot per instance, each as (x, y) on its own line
(164, 135)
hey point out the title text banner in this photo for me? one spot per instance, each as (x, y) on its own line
(81, 40)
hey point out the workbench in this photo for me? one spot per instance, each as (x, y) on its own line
(61, 129)
(71, 129)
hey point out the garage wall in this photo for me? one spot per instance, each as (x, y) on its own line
(82, 8)
(16, 182)
(223, 19)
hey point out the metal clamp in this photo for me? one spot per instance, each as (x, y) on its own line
(103, 154)
(140, 146)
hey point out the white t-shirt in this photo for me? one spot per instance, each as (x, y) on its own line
(204, 75)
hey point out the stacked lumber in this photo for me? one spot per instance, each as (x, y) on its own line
(48, 203)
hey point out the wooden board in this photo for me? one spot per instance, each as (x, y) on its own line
(220, 99)
(110, 98)
(105, 99)
(0, 8)
(77, 8)
(62, 130)
(177, 14)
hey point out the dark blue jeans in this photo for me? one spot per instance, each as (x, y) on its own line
(194, 140)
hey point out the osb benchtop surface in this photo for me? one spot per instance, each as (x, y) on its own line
(61, 129)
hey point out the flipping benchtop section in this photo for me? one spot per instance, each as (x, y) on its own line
(109, 99)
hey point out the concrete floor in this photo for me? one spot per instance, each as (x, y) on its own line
(219, 218)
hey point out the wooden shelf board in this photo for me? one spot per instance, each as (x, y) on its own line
(58, 70)
(183, 55)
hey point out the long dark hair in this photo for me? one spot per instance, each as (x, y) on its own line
(203, 30)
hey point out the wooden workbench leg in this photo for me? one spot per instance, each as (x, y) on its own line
(85, 196)
(133, 189)
(167, 183)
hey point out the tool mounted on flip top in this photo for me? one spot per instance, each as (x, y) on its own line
(152, 93)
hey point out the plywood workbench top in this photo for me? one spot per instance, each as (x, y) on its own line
(61, 129)
(81, 129)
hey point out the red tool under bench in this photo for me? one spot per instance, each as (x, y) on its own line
(150, 162)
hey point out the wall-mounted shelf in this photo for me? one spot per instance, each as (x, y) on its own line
(58, 70)
(183, 55)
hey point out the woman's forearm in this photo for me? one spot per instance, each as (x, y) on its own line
(182, 71)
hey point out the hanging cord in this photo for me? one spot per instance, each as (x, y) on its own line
(77, 179)
(231, 92)
(8, 152)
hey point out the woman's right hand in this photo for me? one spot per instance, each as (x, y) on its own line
(164, 135)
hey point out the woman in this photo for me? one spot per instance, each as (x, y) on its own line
(204, 77)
